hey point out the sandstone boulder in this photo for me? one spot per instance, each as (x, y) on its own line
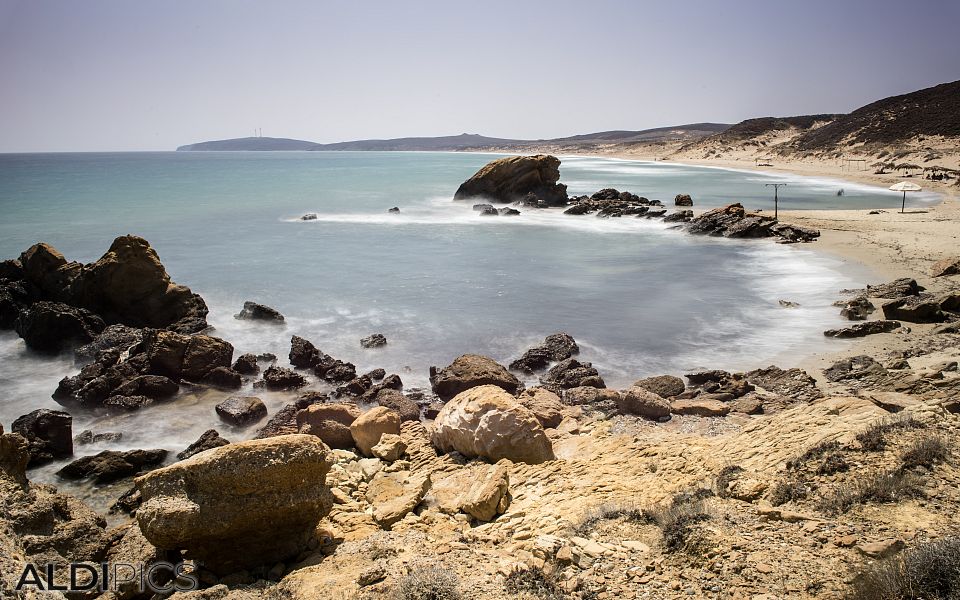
(329, 422)
(471, 370)
(243, 505)
(700, 407)
(390, 448)
(481, 491)
(371, 425)
(394, 495)
(544, 404)
(644, 403)
(512, 178)
(487, 422)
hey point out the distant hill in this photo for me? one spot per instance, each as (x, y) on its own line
(932, 111)
(464, 141)
(249, 143)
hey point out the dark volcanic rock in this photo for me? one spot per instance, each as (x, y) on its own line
(246, 364)
(241, 411)
(336, 371)
(855, 368)
(467, 371)
(510, 179)
(508, 212)
(857, 309)
(555, 347)
(489, 212)
(259, 312)
(571, 373)
(119, 337)
(732, 385)
(278, 378)
(127, 403)
(303, 354)
(111, 465)
(52, 326)
(683, 200)
(374, 341)
(377, 374)
(735, 222)
(157, 387)
(679, 216)
(862, 329)
(355, 387)
(914, 309)
(405, 407)
(207, 440)
(87, 437)
(223, 377)
(665, 386)
(898, 288)
(49, 434)
(395, 209)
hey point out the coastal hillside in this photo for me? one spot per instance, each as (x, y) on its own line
(467, 141)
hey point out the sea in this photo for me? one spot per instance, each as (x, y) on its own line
(641, 297)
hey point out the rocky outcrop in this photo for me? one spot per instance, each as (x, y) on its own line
(49, 434)
(489, 423)
(914, 309)
(243, 505)
(406, 408)
(52, 326)
(246, 364)
(701, 407)
(111, 465)
(857, 309)
(207, 440)
(734, 222)
(376, 340)
(555, 347)
(279, 378)
(665, 386)
(683, 200)
(862, 329)
(571, 373)
(512, 178)
(897, 288)
(721, 384)
(470, 370)
(609, 202)
(545, 406)
(394, 495)
(259, 312)
(241, 411)
(793, 383)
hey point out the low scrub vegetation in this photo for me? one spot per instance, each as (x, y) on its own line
(925, 452)
(883, 486)
(929, 571)
(428, 582)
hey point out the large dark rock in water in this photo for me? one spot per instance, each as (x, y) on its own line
(259, 312)
(127, 285)
(734, 221)
(555, 347)
(111, 465)
(207, 440)
(512, 178)
(51, 326)
(49, 434)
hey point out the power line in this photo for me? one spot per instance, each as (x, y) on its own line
(776, 188)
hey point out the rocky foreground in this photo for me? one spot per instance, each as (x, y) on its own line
(773, 483)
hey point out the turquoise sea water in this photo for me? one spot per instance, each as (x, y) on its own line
(436, 279)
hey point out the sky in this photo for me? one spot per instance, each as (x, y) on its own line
(117, 75)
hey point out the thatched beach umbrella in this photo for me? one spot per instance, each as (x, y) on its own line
(905, 186)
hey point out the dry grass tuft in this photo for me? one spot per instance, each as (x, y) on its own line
(929, 571)
(428, 582)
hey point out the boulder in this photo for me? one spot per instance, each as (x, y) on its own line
(259, 312)
(717, 382)
(601, 399)
(544, 404)
(470, 370)
(555, 347)
(110, 465)
(863, 329)
(129, 285)
(897, 288)
(406, 408)
(241, 506)
(683, 200)
(489, 423)
(644, 403)
(14, 456)
(511, 179)
(207, 440)
(946, 266)
(855, 368)
(52, 326)
(49, 434)
(489, 212)
(156, 387)
(223, 377)
(481, 491)
(857, 309)
(914, 309)
(241, 411)
(374, 341)
(734, 222)
(279, 378)
(204, 354)
(329, 422)
(571, 373)
(793, 383)
(371, 425)
(390, 448)
(303, 354)
(665, 386)
(701, 407)
(355, 387)
(43, 266)
(246, 364)
(87, 437)
(118, 337)
(394, 495)
(395, 209)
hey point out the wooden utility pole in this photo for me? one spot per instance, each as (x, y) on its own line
(776, 199)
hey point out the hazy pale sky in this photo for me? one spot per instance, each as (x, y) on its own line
(155, 74)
